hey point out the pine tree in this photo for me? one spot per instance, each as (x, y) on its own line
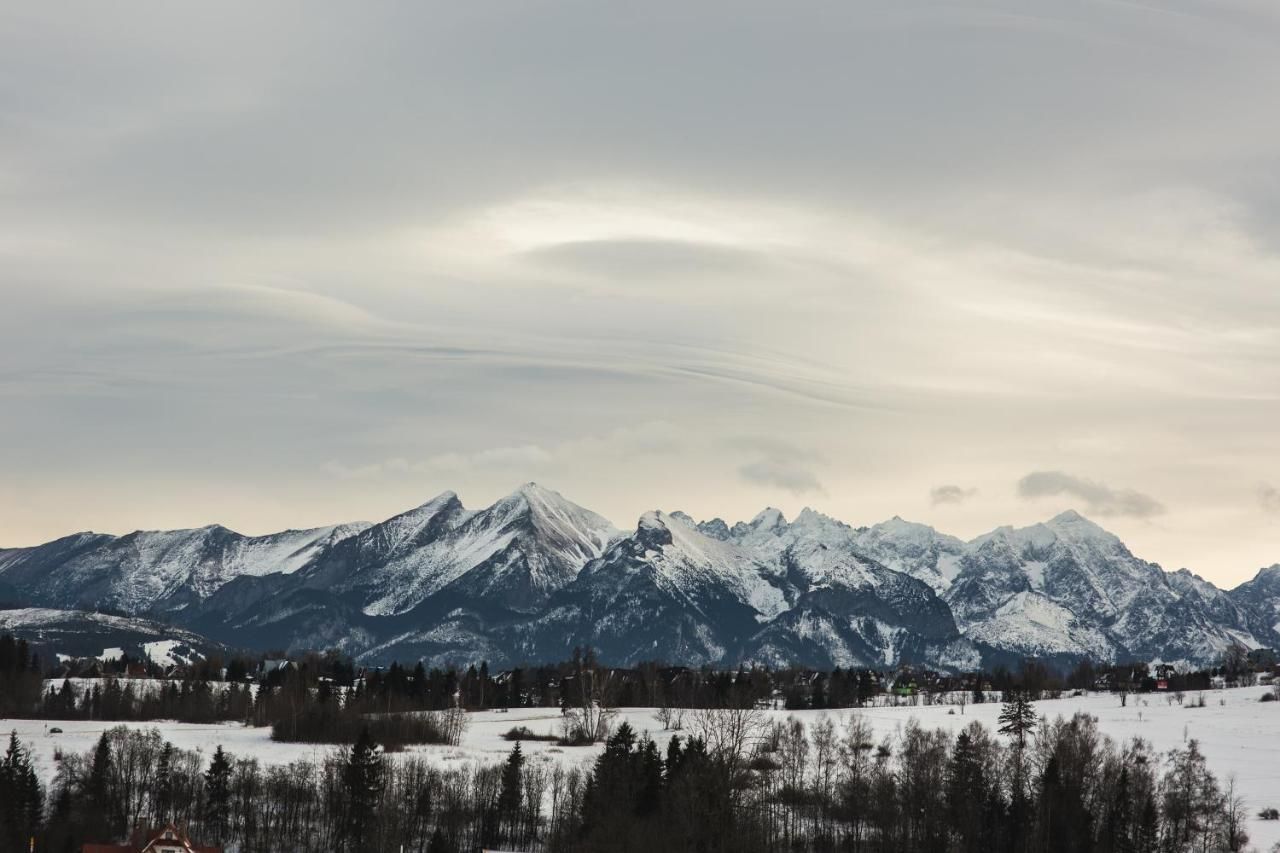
(439, 843)
(8, 788)
(1148, 832)
(99, 809)
(363, 781)
(674, 757)
(21, 798)
(66, 700)
(649, 797)
(509, 795)
(217, 798)
(966, 792)
(163, 797)
(32, 796)
(1020, 814)
(1017, 718)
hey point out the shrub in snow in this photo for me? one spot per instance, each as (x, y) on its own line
(518, 733)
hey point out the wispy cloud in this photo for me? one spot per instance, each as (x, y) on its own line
(1098, 498)
(1269, 497)
(522, 461)
(950, 494)
(780, 465)
(782, 474)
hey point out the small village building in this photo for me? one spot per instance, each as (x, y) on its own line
(169, 839)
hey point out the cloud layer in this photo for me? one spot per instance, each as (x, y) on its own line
(725, 255)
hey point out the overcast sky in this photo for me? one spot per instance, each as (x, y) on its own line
(967, 263)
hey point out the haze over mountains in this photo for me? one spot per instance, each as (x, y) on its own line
(534, 575)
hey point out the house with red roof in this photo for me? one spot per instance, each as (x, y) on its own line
(170, 839)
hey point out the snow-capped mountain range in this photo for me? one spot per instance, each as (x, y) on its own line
(534, 575)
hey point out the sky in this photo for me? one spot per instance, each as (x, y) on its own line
(972, 264)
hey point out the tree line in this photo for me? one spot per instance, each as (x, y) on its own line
(272, 689)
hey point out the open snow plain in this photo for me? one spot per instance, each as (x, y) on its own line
(1238, 734)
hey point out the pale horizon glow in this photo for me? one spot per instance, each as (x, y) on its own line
(968, 265)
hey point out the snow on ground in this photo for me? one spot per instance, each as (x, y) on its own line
(1238, 734)
(170, 652)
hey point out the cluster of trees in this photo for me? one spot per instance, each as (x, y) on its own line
(355, 798)
(1057, 787)
(20, 678)
(114, 700)
(734, 782)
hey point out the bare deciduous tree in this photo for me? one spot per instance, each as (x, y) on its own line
(672, 719)
(590, 706)
(731, 734)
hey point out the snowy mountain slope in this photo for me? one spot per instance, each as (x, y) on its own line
(80, 633)
(913, 549)
(1068, 588)
(1067, 558)
(285, 552)
(1030, 624)
(360, 562)
(415, 575)
(520, 550)
(1259, 599)
(156, 571)
(869, 613)
(689, 560)
(813, 551)
(765, 591)
(24, 569)
(666, 591)
(825, 636)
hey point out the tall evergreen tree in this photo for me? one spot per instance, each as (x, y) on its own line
(509, 794)
(217, 796)
(99, 810)
(1116, 837)
(362, 778)
(1017, 718)
(674, 755)
(966, 793)
(649, 796)
(21, 798)
(163, 789)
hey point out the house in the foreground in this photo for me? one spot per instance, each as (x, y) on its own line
(169, 839)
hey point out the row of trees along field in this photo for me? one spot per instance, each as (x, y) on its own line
(734, 782)
(313, 693)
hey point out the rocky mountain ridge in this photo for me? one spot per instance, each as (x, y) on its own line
(534, 575)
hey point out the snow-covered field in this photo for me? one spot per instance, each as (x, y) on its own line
(1238, 734)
